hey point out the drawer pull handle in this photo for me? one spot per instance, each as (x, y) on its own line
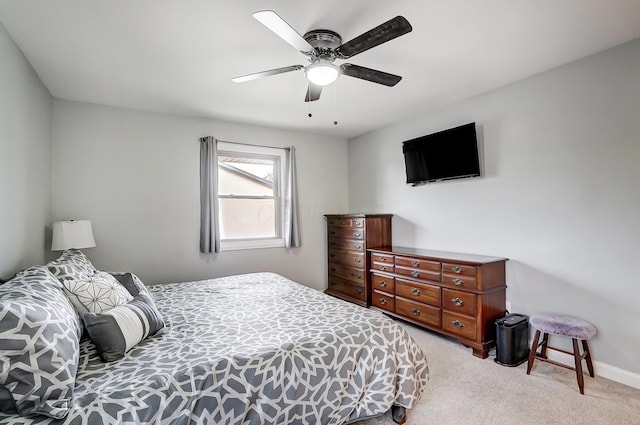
(457, 301)
(357, 275)
(333, 269)
(383, 301)
(415, 274)
(383, 283)
(344, 222)
(333, 255)
(357, 260)
(416, 291)
(457, 269)
(415, 263)
(458, 282)
(332, 243)
(383, 259)
(358, 291)
(458, 324)
(357, 234)
(333, 232)
(357, 223)
(383, 268)
(415, 312)
(357, 246)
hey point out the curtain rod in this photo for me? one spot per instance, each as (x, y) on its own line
(204, 139)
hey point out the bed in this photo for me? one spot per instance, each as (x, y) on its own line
(249, 349)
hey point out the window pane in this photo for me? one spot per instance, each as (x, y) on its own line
(247, 218)
(240, 175)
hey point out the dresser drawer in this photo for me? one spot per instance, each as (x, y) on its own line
(421, 274)
(459, 302)
(418, 264)
(346, 244)
(349, 273)
(459, 281)
(383, 301)
(383, 267)
(346, 221)
(419, 292)
(383, 283)
(459, 324)
(346, 232)
(348, 258)
(418, 311)
(459, 269)
(351, 289)
(381, 258)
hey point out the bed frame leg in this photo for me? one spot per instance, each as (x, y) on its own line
(399, 414)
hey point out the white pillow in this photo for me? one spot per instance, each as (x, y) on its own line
(96, 293)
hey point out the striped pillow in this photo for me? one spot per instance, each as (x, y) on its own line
(116, 331)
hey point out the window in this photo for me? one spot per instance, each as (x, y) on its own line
(250, 196)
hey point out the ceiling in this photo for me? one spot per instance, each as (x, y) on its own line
(179, 56)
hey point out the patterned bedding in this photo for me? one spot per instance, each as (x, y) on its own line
(250, 349)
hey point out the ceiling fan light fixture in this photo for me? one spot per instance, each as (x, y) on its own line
(322, 73)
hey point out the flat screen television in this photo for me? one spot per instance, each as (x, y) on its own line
(445, 155)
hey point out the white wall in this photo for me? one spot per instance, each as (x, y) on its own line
(25, 161)
(136, 176)
(559, 195)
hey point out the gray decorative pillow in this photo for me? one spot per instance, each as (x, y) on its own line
(96, 293)
(71, 265)
(116, 331)
(131, 282)
(40, 334)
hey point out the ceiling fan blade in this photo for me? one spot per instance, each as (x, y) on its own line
(313, 93)
(381, 34)
(268, 73)
(368, 74)
(282, 29)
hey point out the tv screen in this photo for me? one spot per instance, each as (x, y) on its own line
(445, 155)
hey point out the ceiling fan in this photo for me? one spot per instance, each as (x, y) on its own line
(323, 47)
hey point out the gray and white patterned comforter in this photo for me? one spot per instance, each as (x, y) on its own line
(251, 349)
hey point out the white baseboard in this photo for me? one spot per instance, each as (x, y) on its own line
(604, 370)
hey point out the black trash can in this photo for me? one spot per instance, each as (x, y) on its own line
(512, 340)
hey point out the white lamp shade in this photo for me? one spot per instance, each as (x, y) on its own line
(72, 234)
(322, 73)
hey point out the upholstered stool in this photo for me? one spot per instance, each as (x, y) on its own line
(564, 325)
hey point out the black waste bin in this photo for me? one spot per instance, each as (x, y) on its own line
(512, 340)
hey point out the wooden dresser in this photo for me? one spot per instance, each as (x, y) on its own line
(460, 295)
(348, 238)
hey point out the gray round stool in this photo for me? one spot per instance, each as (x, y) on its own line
(563, 325)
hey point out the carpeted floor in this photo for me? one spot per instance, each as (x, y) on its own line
(466, 390)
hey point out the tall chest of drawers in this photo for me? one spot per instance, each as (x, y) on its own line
(348, 238)
(460, 295)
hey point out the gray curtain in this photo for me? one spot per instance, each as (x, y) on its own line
(291, 210)
(209, 230)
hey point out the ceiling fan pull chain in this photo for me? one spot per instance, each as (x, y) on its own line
(335, 100)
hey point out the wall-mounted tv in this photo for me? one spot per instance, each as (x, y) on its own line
(445, 155)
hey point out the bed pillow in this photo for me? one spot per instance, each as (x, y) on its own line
(116, 331)
(96, 293)
(40, 345)
(71, 265)
(131, 282)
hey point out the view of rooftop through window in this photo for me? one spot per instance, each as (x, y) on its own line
(260, 168)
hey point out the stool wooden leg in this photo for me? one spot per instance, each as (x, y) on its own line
(534, 350)
(578, 361)
(545, 343)
(585, 347)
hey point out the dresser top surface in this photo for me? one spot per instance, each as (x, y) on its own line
(357, 215)
(439, 255)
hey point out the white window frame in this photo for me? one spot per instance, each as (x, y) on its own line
(230, 149)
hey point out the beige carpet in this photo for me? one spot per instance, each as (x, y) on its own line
(464, 389)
